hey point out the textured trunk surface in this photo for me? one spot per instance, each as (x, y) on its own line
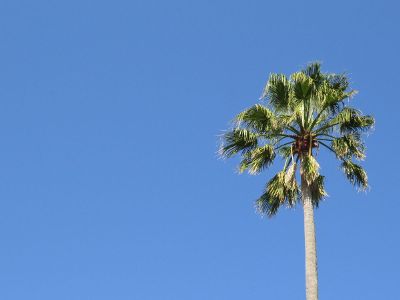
(310, 244)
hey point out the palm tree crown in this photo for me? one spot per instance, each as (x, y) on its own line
(302, 113)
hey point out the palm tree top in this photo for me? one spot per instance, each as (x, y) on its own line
(298, 115)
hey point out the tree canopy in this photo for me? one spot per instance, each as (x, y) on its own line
(297, 115)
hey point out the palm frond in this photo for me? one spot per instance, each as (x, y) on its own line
(355, 174)
(273, 196)
(313, 70)
(349, 145)
(280, 189)
(330, 102)
(302, 86)
(285, 151)
(267, 205)
(277, 90)
(257, 117)
(309, 168)
(238, 140)
(317, 190)
(338, 81)
(291, 186)
(257, 159)
(351, 120)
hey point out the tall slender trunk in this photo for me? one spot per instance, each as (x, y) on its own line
(310, 244)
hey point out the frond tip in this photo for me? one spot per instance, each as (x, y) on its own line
(317, 190)
(351, 120)
(348, 146)
(277, 90)
(257, 159)
(237, 140)
(355, 174)
(257, 117)
(280, 189)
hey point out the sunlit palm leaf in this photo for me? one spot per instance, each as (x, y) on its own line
(302, 86)
(355, 174)
(317, 190)
(349, 145)
(257, 159)
(278, 92)
(238, 140)
(258, 117)
(351, 120)
(313, 70)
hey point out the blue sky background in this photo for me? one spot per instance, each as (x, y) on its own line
(110, 187)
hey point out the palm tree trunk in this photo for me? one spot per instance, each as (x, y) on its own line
(310, 244)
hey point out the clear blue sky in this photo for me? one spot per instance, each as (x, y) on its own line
(110, 187)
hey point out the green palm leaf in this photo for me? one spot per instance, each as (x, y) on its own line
(277, 90)
(349, 145)
(238, 140)
(280, 189)
(258, 118)
(355, 174)
(257, 159)
(351, 120)
(317, 190)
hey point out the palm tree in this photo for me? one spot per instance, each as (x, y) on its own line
(303, 113)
